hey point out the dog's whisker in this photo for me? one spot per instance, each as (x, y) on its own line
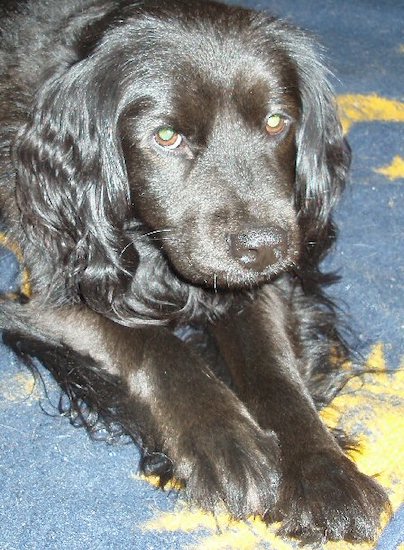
(155, 232)
(170, 239)
(130, 243)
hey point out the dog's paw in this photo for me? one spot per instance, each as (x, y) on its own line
(235, 464)
(324, 497)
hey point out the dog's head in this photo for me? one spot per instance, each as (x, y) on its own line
(209, 130)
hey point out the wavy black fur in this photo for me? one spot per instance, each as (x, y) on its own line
(128, 238)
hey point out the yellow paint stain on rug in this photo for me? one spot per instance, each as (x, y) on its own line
(18, 387)
(16, 250)
(356, 108)
(171, 485)
(393, 171)
(371, 405)
(187, 521)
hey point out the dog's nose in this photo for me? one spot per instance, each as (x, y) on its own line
(260, 248)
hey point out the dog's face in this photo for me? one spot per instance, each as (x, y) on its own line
(210, 129)
(211, 154)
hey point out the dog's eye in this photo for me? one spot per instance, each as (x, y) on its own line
(168, 138)
(275, 124)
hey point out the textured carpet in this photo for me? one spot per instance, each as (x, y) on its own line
(59, 489)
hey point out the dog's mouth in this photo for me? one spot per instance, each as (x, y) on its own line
(239, 278)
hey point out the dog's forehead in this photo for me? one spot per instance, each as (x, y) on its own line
(237, 80)
(201, 63)
(223, 57)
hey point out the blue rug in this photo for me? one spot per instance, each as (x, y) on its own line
(60, 490)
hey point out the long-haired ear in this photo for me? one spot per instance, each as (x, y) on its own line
(322, 161)
(72, 187)
(323, 155)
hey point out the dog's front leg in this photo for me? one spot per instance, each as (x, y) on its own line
(323, 495)
(216, 447)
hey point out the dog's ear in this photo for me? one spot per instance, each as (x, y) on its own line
(72, 185)
(322, 161)
(323, 155)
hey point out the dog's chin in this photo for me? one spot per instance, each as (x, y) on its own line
(236, 278)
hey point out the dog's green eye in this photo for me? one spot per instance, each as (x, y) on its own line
(275, 124)
(168, 138)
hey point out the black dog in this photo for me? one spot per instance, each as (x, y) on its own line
(175, 163)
